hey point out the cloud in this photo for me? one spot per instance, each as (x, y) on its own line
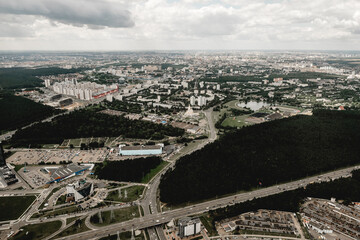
(94, 14)
(180, 24)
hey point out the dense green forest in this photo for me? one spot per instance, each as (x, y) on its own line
(11, 78)
(266, 154)
(122, 106)
(90, 123)
(347, 189)
(128, 170)
(18, 111)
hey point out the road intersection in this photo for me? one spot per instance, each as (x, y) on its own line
(153, 218)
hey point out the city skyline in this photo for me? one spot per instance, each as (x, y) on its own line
(109, 25)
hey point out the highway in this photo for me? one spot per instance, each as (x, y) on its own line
(150, 199)
(164, 217)
(153, 219)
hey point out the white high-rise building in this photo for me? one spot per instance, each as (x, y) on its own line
(201, 84)
(88, 94)
(185, 84)
(47, 83)
(119, 97)
(218, 87)
(109, 98)
(201, 101)
(192, 100)
(81, 94)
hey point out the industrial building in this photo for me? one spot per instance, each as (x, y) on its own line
(189, 226)
(140, 150)
(58, 174)
(78, 190)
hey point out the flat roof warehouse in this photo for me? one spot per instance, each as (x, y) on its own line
(141, 150)
(142, 147)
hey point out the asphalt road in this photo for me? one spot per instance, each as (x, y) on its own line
(150, 199)
(152, 219)
(164, 217)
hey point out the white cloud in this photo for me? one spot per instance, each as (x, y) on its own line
(181, 24)
(94, 14)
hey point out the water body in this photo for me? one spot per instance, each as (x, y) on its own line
(253, 105)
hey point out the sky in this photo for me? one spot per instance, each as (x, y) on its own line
(110, 25)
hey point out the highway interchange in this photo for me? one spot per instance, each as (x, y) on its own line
(157, 219)
(152, 218)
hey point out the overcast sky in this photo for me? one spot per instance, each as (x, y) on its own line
(179, 24)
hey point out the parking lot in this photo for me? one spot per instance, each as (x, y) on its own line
(34, 176)
(59, 155)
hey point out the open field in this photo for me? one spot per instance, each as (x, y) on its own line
(238, 121)
(57, 212)
(124, 236)
(133, 193)
(120, 215)
(17, 204)
(74, 229)
(37, 231)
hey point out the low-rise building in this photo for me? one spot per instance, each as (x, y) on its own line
(58, 174)
(141, 150)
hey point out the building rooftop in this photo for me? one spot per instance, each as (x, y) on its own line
(141, 147)
(64, 171)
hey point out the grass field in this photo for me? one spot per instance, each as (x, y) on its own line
(61, 200)
(133, 193)
(114, 185)
(76, 142)
(48, 196)
(57, 212)
(124, 236)
(73, 229)
(70, 220)
(37, 231)
(120, 215)
(12, 207)
(18, 167)
(153, 172)
(238, 121)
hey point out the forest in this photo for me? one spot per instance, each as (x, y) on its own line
(265, 154)
(128, 170)
(347, 189)
(122, 106)
(18, 111)
(11, 78)
(90, 123)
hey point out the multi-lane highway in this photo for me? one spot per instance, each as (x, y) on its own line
(149, 202)
(159, 218)
(152, 218)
